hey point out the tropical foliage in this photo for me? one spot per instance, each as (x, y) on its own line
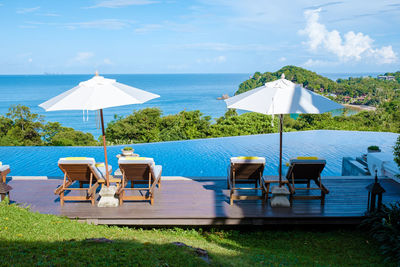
(21, 127)
(396, 151)
(384, 226)
(363, 90)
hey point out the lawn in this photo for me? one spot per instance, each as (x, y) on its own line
(28, 238)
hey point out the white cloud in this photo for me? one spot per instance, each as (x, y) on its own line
(30, 60)
(49, 14)
(27, 10)
(314, 63)
(353, 46)
(122, 3)
(218, 59)
(82, 57)
(178, 67)
(107, 61)
(148, 28)
(282, 59)
(227, 47)
(109, 24)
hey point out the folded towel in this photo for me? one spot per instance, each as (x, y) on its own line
(135, 158)
(307, 158)
(249, 157)
(75, 158)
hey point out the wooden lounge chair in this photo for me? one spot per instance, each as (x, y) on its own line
(303, 170)
(142, 171)
(246, 170)
(4, 170)
(84, 171)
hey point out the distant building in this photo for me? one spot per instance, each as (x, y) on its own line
(346, 98)
(332, 95)
(386, 77)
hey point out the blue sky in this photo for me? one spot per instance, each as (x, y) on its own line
(205, 36)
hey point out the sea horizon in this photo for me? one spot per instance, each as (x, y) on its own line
(326, 74)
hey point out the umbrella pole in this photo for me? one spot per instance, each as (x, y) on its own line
(280, 148)
(105, 147)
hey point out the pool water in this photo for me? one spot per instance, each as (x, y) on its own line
(210, 157)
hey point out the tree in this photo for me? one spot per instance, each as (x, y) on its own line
(25, 127)
(396, 151)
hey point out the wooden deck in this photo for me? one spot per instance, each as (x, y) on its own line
(206, 202)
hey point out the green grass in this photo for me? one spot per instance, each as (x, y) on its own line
(28, 238)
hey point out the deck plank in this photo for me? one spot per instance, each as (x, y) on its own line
(206, 202)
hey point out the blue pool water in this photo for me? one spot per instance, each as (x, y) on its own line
(210, 157)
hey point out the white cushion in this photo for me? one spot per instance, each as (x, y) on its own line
(100, 171)
(156, 170)
(77, 160)
(238, 160)
(135, 160)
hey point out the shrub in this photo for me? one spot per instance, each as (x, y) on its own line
(375, 148)
(384, 226)
(396, 151)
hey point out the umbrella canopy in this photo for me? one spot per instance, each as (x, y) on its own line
(96, 94)
(282, 97)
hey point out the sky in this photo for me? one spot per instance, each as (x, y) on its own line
(203, 36)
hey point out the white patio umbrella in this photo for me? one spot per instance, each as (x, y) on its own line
(282, 97)
(96, 94)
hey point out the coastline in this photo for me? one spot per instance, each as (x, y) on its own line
(360, 107)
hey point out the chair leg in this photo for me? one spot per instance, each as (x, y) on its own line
(159, 183)
(322, 198)
(121, 196)
(62, 199)
(151, 199)
(92, 200)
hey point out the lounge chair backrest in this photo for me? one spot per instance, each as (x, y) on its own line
(135, 168)
(247, 168)
(79, 169)
(303, 170)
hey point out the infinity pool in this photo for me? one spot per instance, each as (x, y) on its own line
(210, 157)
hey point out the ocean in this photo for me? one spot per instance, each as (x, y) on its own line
(178, 92)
